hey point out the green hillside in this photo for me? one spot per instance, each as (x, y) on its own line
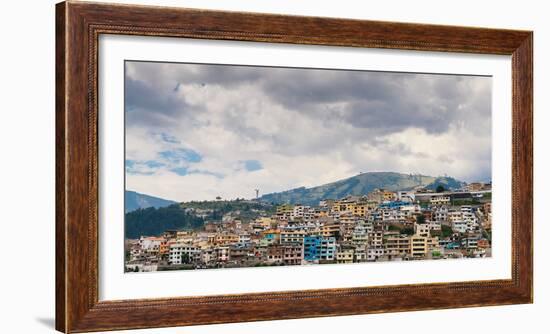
(189, 215)
(359, 185)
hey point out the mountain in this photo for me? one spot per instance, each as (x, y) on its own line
(360, 185)
(134, 201)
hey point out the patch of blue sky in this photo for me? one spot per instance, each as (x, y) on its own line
(181, 171)
(146, 167)
(180, 155)
(206, 172)
(252, 165)
(169, 138)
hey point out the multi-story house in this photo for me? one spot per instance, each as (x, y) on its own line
(312, 248)
(151, 246)
(375, 239)
(292, 254)
(330, 230)
(274, 254)
(406, 196)
(470, 241)
(244, 240)
(397, 246)
(360, 253)
(226, 238)
(422, 246)
(440, 200)
(375, 253)
(183, 253)
(294, 237)
(327, 249)
(440, 213)
(284, 212)
(359, 235)
(222, 253)
(422, 230)
(345, 255)
(462, 226)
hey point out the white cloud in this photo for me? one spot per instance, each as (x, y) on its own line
(227, 115)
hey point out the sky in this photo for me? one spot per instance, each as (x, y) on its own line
(197, 131)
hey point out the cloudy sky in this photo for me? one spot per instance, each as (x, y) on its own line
(194, 132)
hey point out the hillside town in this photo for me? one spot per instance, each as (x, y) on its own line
(383, 225)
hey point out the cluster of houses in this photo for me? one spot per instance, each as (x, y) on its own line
(380, 226)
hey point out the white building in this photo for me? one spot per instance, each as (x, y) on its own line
(374, 254)
(181, 253)
(462, 226)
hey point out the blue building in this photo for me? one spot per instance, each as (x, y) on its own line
(312, 247)
(393, 205)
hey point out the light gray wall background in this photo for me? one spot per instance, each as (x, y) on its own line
(27, 165)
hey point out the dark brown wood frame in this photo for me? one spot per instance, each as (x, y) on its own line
(78, 26)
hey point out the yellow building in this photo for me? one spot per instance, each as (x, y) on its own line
(421, 246)
(345, 256)
(362, 208)
(388, 195)
(285, 211)
(229, 238)
(264, 222)
(381, 195)
(398, 245)
(330, 230)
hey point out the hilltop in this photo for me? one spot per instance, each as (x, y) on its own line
(359, 185)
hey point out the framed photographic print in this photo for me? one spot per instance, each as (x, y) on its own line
(222, 166)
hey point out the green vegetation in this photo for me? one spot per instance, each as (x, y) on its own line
(420, 219)
(247, 210)
(407, 231)
(446, 231)
(184, 216)
(464, 201)
(440, 189)
(394, 227)
(153, 221)
(424, 204)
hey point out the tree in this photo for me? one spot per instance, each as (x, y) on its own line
(446, 231)
(407, 231)
(393, 227)
(440, 189)
(420, 219)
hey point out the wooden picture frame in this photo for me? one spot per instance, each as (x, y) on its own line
(78, 27)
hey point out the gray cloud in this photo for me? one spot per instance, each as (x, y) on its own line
(378, 101)
(361, 120)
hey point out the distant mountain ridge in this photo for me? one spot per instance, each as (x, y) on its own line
(134, 200)
(359, 185)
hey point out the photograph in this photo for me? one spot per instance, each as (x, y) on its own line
(230, 166)
(277, 166)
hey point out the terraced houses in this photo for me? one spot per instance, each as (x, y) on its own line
(378, 226)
